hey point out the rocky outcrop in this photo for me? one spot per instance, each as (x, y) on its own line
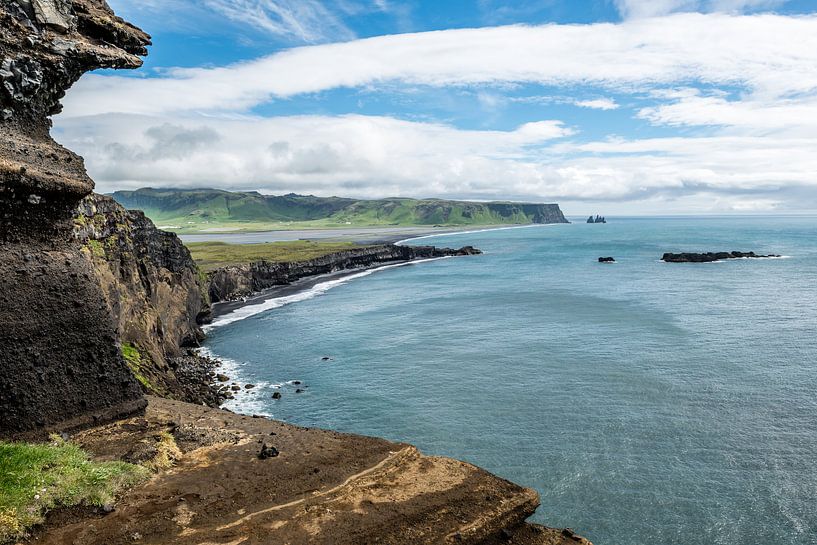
(597, 219)
(709, 257)
(252, 480)
(237, 281)
(155, 293)
(60, 365)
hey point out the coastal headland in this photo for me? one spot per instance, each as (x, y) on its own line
(99, 309)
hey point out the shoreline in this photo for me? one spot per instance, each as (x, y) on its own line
(289, 293)
(480, 230)
(358, 235)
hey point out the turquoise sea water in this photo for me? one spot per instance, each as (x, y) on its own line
(646, 402)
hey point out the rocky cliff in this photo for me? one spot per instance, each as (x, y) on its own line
(155, 294)
(235, 282)
(60, 365)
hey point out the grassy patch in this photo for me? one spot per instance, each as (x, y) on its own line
(212, 255)
(97, 249)
(37, 477)
(134, 361)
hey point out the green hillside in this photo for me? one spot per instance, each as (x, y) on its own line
(192, 210)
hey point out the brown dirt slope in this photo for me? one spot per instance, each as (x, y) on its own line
(323, 488)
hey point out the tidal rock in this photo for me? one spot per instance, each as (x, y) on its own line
(607, 260)
(276, 395)
(249, 386)
(709, 257)
(222, 378)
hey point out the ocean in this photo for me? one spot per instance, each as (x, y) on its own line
(646, 402)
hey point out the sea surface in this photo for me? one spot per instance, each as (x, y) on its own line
(647, 402)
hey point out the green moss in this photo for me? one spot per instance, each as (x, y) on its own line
(97, 249)
(212, 255)
(35, 478)
(135, 362)
(204, 282)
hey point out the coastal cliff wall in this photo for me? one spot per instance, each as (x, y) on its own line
(60, 366)
(155, 293)
(237, 281)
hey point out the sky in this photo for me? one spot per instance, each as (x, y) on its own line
(605, 106)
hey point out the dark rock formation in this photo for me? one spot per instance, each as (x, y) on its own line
(154, 291)
(709, 257)
(60, 366)
(597, 219)
(607, 260)
(267, 452)
(234, 282)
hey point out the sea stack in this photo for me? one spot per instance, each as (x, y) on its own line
(597, 219)
(60, 366)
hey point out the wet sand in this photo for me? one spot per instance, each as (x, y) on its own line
(361, 235)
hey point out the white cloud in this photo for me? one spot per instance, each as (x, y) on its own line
(379, 156)
(365, 155)
(291, 21)
(767, 55)
(598, 104)
(304, 20)
(655, 8)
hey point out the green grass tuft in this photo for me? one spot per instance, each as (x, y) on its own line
(35, 478)
(134, 361)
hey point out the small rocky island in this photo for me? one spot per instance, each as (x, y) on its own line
(607, 260)
(597, 219)
(709, 257)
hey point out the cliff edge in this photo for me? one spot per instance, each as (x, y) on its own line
(156, 296)
(254, 481)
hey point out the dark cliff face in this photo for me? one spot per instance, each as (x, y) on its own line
(234, 282)
(60, 365)
(153, 289)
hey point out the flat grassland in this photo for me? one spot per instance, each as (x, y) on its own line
(213, 255)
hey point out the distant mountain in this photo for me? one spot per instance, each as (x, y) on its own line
(201, 208)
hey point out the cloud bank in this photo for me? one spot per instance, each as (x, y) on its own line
(740, 91)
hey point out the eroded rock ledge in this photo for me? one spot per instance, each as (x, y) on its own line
(322, 488)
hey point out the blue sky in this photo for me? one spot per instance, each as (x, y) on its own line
(623, 106)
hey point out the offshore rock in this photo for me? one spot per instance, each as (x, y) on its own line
(709, 257)
(238, 281)
(60, 366)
